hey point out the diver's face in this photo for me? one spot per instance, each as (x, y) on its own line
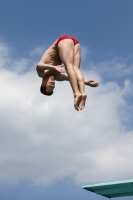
(50, 84)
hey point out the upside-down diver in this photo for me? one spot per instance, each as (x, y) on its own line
(64, 51)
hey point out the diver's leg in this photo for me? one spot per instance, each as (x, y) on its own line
(66, 53)
(80, 77)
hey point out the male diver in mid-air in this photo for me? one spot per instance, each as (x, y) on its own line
(64, 51)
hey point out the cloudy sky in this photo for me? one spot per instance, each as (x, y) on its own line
(47, 149)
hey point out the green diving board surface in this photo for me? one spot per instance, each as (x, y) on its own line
(112, 189)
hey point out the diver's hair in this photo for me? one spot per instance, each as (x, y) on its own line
(43, 91)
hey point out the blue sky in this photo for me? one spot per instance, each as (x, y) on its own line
(47, 150)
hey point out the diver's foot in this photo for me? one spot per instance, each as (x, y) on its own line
(82, 101)
(77, 99)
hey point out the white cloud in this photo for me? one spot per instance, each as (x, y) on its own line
(7, 62)
(37, 51)
(85, 51)
(117, 67)
(43, 139)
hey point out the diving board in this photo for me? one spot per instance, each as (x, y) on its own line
(112, 189)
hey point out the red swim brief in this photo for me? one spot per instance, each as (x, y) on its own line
(67, 37)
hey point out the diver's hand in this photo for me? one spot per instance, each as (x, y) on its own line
(59, 68)
(91, 83)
